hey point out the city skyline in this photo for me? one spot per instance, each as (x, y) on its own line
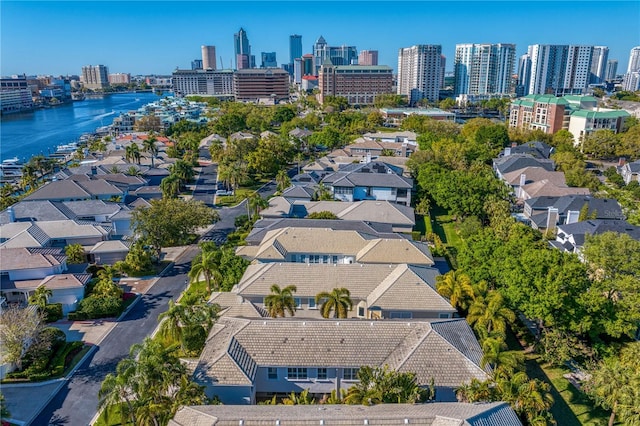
(157, 37)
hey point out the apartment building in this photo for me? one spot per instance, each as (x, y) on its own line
(203, 82)
(253, 84)
(484, 69)
(560, 69)
(360, 84)
(419, 72)
(95, 77)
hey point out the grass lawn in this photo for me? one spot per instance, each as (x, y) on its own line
(444, 226)
(194, 291)
(113, 414)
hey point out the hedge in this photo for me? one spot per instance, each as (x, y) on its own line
(53, 312)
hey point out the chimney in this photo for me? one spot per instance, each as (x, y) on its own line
(523, 179)
(94, 170)
(12, 214)
(552, 218)
(368, 159)
(621, 161)
(514, 144)
(572, 216)
(507, 151)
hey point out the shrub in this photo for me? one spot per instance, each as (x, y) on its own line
(193, 339)
(98, 307)
(53, 312)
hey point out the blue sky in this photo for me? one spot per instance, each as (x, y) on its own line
(155, 37)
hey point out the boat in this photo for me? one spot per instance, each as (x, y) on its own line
(10, 170)
(67, 148)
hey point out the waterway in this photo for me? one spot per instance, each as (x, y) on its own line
(41, 131)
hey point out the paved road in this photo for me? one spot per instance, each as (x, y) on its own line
(76, 402)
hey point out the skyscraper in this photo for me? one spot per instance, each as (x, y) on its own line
(242, 50)
(634, 60)
(208, 57)
(196, 64)
(295, 47)
(612, 69)
(419, 72)
(268, 60)
(95, 77)
(598, 64)
(368, 57)
(559, 69)
(339, 55)
(484, 69)
(524, 75)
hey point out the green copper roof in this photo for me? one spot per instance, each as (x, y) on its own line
(545, 99)
(599, 114)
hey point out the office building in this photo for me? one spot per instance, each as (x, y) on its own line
(268, 60)
(203, 82)
(120, 78)
(295, 47)
(15, 95)
(484, 69)
(612, 69)
(360, 84)
(598, 64)
(368, 57)
(634, 60)
(209, 57)
(339, 55)
(256, 84)
(559, 69)
(524, 75)
(196, 64)
(95, 77)
(419, 72)
(242, 50)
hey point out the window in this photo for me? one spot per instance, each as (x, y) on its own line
(350, 373)
(322, 374)
(334, 259)
(400, 315)
(272, 373)
(443, 316)
(361, 311)
(298, 302)
(312, 303)
(296, 373)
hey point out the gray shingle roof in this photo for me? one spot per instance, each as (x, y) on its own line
(599, 226)
(38, 210)
(520, 161)
(59, 190)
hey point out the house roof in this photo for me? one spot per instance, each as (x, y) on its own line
(59, 190)
(37, 210)
(599, 226)
(38, 234)
(279, 243)
(534, 174)
(300, 133)
(546, 187)
(392, 135)
(12, 259)
(299, 191)
(90, 208)
(434, 414)
(236, 347)
(234, 305)
(390, 287)
(520, 161)
(148, 190)
(536, 149)
(112, 246)
(604, 208)
(63, 281)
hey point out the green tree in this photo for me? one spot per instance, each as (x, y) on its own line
(233, 174)
(40, 296)
(492, 316)
(168, 222)
(4, 411)
(170, 186)
(322, 193)
(20, 329)
(75, 253)
(132, 153)
(447, 104)
(322, 215)
(456, 287)
(600, 144)
(207, 265)
(281, 301)
(498, 358)
(255, 203)
(378, 385)
(138, 261)
(282, 180)
(180, 319)
(338, 300)
(150, 147)
(183, 170)
(133, 171)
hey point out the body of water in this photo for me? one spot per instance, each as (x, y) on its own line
(41, 131)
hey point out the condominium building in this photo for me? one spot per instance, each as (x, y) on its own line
(95, 77)
(368, 57)
(295, 47)
(484, 69)
(15, 95)
(208, 57)
(631, 81)
(254, 84)
(599, 64)
(634, 60)
(120, 78)
(360, 84)
(612, 69)
(203, 82)
(559, 69)
(419, 72)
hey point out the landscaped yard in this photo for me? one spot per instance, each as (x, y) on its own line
(444, 227)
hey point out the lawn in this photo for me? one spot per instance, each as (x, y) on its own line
(113, 414)
(194, 291)
(445, 227)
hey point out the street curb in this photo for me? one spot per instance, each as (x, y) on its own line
(125, 312)
(169, 266)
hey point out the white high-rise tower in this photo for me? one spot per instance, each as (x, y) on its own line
(419, 72)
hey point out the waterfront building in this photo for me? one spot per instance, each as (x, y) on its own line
(95, 76)
(360, 84)
(255, 84)
(203, 82)
(419, 72)
(612, 69)
(559, 69)
(295, 47)
(634, 60)
(196, 64)
(242, 50)
(120, 78)
(208, 57)
(15, 95)
(598, 64)
(339, 55)
(268, 60)
(368, 57)
(484, 69)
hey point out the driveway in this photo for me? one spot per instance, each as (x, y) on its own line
(76, 402)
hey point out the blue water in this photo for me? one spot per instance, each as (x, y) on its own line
(41, 131)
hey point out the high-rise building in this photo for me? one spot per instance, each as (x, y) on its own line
(208, 57)
(612, 69)
(360, 84)
(242, 50)
(368, 57)
(634, 60)
(253, 84)
(203, 82)
(419, 72)
(268, 60)
(443, 65)
(120, 78)
(484, 69)
(295, 47)
(559, 69)
(196, 64)
(15, 95)
(95, 77)
(631, 81)
(524, 75)
(598, 64)
(339, 55)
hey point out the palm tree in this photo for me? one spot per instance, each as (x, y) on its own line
(183, 170)
(610, 386)
(75, 253)
(132, 153)
(282, 180)
(366, 391)
(149, 146)
(456, 287)
(338, 301)
(233, 174)
(170, 186)
(115, 169)
(179, 317)
(322, 193)
(41, 296)
(498, 359)
(208, 265)
(281, 301)
(491, 316)
(256, 203)
(475, 391)
(29, 177)
(133, 171)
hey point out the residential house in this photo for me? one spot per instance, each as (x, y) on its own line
(31, 263)
(571, 237)
(630, 172)
(318, 245)
(536, 149)
(71, 190)
(299, 193)
(401, 218)
(519, 179)
(510, 163)
(56, 233)
(548, 211)
(437, 413)
(377, 291)
(373, 149)
(245, 360)
(108, 252)
(395, 137)
(547, 187)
